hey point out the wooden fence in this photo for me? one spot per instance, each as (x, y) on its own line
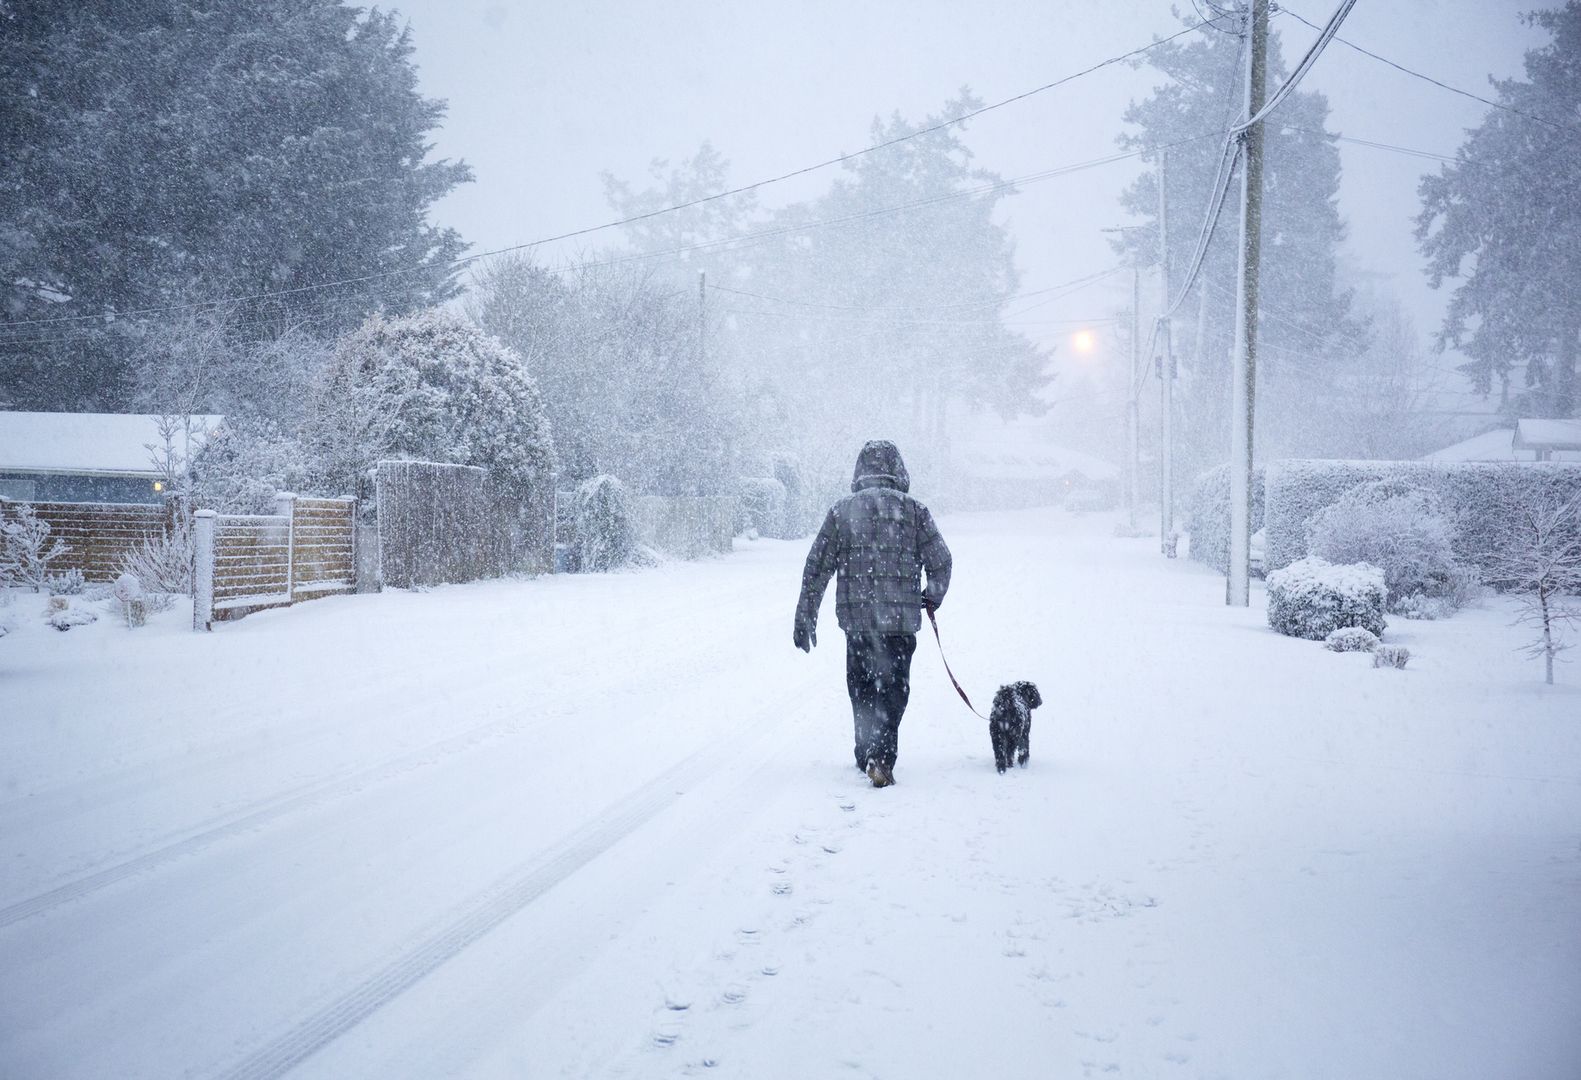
(248, 562)
(98, 535)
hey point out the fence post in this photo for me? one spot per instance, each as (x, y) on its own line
(285, 506)
(203, 570)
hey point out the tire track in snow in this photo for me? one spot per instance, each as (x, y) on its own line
(378, 699)
(261, 813)
(478, 916)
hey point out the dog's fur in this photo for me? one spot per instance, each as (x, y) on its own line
(1010, 723)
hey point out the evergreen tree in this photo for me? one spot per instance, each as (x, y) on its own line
(1306, 323)
(1511, 203)
(168, 151)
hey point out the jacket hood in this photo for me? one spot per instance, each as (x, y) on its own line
(879, 465)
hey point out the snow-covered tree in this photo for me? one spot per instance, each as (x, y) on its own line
(1510, 206)
(630, 388)
(168, 151)
(26, 548)
(432, 387)
(1539, 561)
(241, 465)
(1306, 323)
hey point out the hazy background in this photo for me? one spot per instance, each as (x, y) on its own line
(545, 97)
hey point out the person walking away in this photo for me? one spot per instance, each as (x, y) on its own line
(878, 540)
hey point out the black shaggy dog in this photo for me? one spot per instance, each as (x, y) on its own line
(1010, 723)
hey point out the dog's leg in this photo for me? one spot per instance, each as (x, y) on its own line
(1001, 741)
(1024, 743)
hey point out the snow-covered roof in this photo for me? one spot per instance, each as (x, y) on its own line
(111, 444)
(1548, 434)
(1021, 449)
(1495, 445)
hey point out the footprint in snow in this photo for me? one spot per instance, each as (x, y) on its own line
(733, 995)
(781, 888)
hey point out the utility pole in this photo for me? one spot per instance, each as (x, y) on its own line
(1133, 414)
(702, 311)
(1166, 373)
(1244, 375)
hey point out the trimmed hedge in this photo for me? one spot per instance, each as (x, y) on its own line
(1208, 515)
(1476, 496)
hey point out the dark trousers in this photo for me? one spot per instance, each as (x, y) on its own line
(878, 676)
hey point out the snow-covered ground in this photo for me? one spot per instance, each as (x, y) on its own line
(608, 826)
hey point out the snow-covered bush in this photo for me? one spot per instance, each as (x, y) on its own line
(26, 549)
(801, 517)
(761, 500)
(427, 387)
(1351, 639)
(1313, 598)
(1208, 515)
(63, 615)
(1476, 496)
(606, 531)
(1390, 656)
(70, 583)
(1402, 530)
(162, 564)
(242, 464)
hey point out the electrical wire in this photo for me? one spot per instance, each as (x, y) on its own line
(630, 220)
(1558, 125)
(1325, 34)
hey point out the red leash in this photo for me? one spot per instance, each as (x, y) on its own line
(947, 670)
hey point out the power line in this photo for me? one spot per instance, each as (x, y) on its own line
(635, 218)
(1438, 82)
(733, 243)
(1326, 33)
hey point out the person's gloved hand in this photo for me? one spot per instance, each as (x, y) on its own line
(806, 635)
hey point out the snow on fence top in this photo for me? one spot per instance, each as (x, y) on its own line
(1548, 436)
(1475, 494)
(112, 444)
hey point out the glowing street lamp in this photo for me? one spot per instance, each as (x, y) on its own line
(1083, 341)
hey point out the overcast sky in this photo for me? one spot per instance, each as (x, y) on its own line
(545, 97)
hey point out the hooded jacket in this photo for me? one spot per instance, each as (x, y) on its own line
(878, 540)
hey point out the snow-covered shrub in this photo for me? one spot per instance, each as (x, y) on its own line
(162, 564)
(26, 549)
(1313, 598)
(606, 532)
(1208, 515)
(761, 500)
(427, 387)
(1397, 527)
(1390, 656)
(243, 463)
(70, 583)
(1476, 497)
(800, 515)
(1351, 639)
(63, 615)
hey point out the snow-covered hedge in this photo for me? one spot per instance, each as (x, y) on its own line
(1476, 497)
(1311, 598)
(1208, 515)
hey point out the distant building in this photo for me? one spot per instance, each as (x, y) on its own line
(1550, 440)
(89, 457)
(1529, 440)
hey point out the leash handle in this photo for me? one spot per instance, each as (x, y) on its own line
(953, 680)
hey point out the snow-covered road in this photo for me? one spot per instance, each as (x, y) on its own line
(608, 826)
